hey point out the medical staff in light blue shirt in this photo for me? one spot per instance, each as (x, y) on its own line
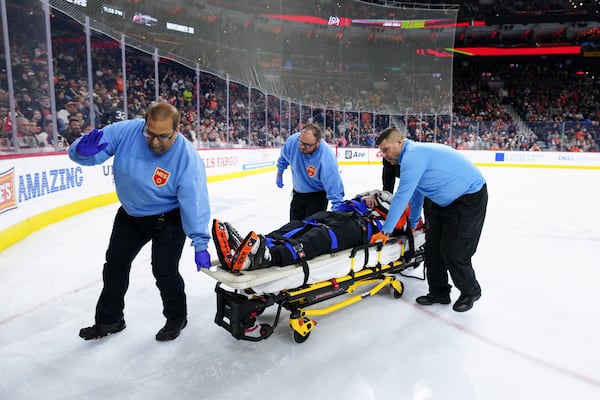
(455, 196)
(161, 183)
(315, 174)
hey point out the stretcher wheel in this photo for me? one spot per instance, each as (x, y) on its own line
(301, 328)
(298, 338)
(397, 289)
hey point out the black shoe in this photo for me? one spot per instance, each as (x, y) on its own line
(465, 303)
(171, 330)
(98, 331)
(430, 299)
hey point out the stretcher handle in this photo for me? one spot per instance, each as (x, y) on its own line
(378, 246)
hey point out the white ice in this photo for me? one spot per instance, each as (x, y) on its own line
(533, 335)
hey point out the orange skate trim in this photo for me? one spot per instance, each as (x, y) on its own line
(221, 243)
(244, 251)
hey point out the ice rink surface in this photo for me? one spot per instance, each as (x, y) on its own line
(533, 335)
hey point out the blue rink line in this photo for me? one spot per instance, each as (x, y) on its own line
(219, 205)
(263, 164)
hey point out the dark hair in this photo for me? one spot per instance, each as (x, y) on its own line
(387, 132)
(161, 111)
(314, 129)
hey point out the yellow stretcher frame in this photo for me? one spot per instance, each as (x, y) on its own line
(237, 312)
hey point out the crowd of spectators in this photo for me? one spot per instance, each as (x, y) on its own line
(500, 105)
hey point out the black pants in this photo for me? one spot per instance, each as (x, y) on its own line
(349, 230)
(128, 236)
(451, 240)
(305, 204)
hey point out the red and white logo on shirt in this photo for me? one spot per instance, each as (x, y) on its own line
(311, 171)
(160, 176)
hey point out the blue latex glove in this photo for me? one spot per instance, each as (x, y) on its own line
(279, 180)
(202, 260)
(89, 145)
(339, 207)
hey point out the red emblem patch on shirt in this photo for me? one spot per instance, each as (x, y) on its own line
(311, 171)
(160, 176)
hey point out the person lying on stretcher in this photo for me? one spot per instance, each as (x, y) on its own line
(352, 224)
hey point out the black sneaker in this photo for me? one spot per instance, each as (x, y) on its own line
(98, 331)
(465, 303)
(171, 330)
(430, 299)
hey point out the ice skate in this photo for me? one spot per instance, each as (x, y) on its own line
(251, 254)
(227, 240)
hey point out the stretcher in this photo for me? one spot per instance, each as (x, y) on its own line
(243, 297)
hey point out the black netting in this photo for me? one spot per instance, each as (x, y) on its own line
(340, 55)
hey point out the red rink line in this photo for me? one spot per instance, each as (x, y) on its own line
(39, 306)
(508, 349)
(429, 312)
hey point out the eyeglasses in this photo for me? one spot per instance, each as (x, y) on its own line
(152, 136)
(307, 145)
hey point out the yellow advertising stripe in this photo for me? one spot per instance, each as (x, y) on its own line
(37, 222)
(22, 229)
